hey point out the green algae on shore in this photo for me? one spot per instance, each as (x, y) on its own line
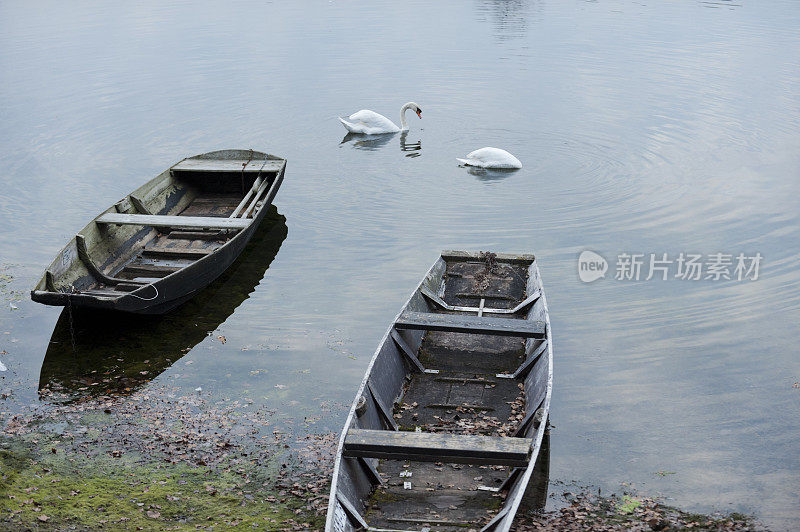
(109, 493)
(151, 462)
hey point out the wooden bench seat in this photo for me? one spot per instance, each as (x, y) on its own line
(430, 447)
(183, 222)
(470, 324)
(150, 270)
(176, 253)
(102, 293)
(227, 165)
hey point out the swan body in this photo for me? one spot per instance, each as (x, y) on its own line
(368, 122)
(491, 158)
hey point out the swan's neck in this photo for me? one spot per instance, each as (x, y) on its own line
(403, 123)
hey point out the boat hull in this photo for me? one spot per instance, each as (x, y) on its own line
(448, 368)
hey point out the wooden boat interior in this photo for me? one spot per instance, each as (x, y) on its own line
(449, 419)
(178, 218)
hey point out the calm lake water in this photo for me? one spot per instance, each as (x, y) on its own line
(644, 128)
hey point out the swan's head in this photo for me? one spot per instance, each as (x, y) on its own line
(414, 107)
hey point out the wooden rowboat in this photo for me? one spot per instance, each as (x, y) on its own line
(77, 362)
(447, 425)
(157, 247)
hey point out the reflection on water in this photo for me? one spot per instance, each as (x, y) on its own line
(509, 18)
(413, 147)
(95, 352)
(730, 4)
(367, 142)
(489, 174)
(376, 142)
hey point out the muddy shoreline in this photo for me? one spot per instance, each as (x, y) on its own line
(166, 460)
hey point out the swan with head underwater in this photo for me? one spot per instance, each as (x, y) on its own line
(368, 122)
(491, 158)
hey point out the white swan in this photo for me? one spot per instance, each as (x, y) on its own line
(369, 122)
(491, 158)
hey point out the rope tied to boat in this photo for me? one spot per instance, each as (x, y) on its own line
(147, 298)
(71, 325)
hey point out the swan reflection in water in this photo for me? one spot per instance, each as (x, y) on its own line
(376, 142)
(101, 353)
(490, 174)
(413, 147)
(367, 142)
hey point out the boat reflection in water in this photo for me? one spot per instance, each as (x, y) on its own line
(101, 353)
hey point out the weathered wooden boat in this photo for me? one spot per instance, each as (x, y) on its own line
(94, 352)
(447, 425)
(157, 247)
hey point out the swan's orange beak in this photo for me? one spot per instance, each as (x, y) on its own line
(419, 113)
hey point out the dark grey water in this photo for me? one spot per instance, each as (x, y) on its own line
(664, 127)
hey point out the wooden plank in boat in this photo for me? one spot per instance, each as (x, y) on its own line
(407, 351)
(83, 255)
(189, 222)
(227, 165)
(146, 269)
(470, 324)
(230, 200)
(176, 253)
(197, 235)
(128, 286)
(102, 293)
(430, 447)
(461, 256)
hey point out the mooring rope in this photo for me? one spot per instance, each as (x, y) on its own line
(71, 325)
(147, 298)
